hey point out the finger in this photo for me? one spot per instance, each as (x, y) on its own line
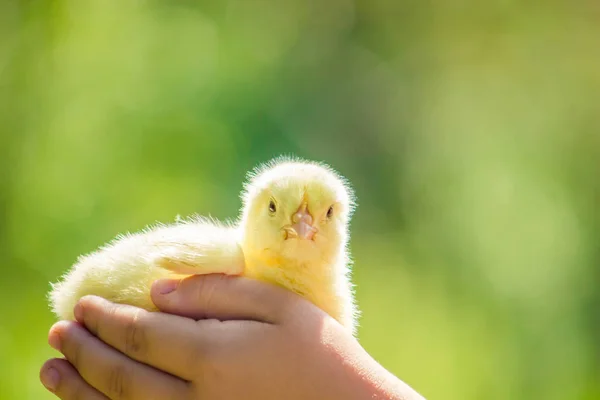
(167, 342)
(109, 371)
(59, 377)
(223, 297)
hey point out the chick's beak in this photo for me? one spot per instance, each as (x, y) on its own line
(302, 227)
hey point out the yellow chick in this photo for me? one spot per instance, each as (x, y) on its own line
(292, 231)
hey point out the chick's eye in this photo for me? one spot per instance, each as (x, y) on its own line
(272, 207)
(330, 212)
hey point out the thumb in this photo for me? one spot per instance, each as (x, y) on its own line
(222, 297)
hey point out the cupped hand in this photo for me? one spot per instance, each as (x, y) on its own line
(217, 337)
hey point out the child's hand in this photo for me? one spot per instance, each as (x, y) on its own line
(236, 338)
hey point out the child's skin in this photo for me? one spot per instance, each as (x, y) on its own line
(262, 342)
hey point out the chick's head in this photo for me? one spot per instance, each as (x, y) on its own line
(297, 211)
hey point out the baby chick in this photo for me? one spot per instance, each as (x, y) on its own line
(292, 231)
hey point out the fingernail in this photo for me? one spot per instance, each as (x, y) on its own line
(166, 286)
(54, 341)
(50, 379)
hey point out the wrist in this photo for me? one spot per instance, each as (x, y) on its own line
(352, 374)
(379, 383)
(393, 388)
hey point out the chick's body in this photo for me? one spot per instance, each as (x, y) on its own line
(293, 232)
(124, 270)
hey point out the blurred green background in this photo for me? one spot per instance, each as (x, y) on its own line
(468, 129)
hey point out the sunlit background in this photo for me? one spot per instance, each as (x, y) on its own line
(469, 130)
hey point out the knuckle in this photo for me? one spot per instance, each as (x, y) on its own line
(75, 356)
(80, 392)
(135, 342)
(196, 356)
(207, 352)
(211, 287)
(117, 383)
(197, 287)
(203, 290)
(89, 315)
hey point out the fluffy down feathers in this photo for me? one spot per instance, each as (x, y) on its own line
(263, 244)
